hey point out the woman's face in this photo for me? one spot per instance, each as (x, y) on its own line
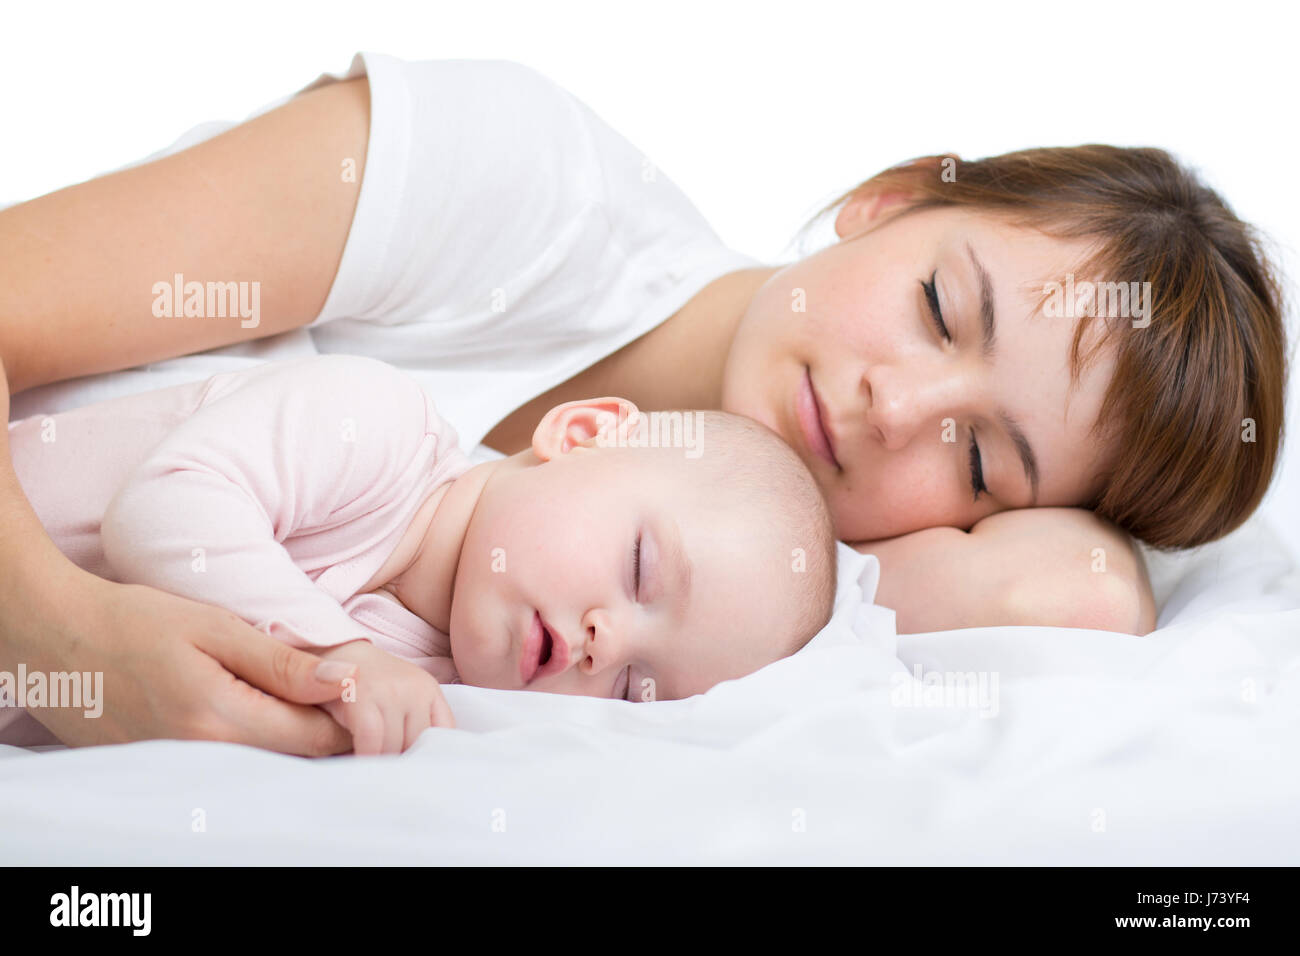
(842, 354)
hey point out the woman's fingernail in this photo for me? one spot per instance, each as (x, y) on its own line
(331, 672)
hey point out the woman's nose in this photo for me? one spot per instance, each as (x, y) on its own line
(903, 402)
(602, 645)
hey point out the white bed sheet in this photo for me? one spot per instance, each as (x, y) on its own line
(1176, 748)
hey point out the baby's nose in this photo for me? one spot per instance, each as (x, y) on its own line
(599, 647)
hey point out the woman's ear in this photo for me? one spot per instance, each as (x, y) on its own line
(866, 209)
(585, 424)
(871, 204)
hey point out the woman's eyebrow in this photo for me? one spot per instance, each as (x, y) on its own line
(988, 320)
(1024, 450)
(988, 323)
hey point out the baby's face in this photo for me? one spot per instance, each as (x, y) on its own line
(611, 572)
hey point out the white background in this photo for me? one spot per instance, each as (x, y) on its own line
(761, 112)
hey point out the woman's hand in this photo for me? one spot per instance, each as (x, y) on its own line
(1062, 567)
(172, 668)
(391, 702)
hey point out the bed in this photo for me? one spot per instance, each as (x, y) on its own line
(1010, 745)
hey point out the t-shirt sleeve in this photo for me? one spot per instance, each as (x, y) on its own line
(473, 168)
(273, 452)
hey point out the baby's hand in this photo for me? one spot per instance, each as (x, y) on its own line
(389, 701)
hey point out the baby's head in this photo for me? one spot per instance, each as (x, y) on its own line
(603, 563)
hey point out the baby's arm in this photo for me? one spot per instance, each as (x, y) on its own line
(277, 452)
(1060, 567)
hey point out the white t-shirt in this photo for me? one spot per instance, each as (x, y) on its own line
(505, 238)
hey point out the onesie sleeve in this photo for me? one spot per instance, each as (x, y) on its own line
(272, 452)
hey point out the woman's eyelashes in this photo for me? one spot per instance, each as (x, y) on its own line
(936, 316)
(932, 299)
(976, 468)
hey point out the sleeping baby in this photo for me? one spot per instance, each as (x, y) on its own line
(325, 502)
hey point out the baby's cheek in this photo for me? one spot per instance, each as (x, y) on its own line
(467, 658)
(466, 618)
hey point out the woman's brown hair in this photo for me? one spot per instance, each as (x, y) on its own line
(1194, 410)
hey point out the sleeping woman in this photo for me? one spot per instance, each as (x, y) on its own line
(476, 225)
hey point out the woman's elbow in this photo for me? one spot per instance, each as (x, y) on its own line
(1103, 602)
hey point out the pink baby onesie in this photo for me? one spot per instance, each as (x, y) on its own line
(276, 492)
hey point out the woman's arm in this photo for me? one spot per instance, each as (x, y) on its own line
(264, 201)
(1061, 567)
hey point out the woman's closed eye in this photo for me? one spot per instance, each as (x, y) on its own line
(936, 313)
(976, 468)
(976, 460)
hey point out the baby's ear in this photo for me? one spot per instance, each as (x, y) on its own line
(586, 424)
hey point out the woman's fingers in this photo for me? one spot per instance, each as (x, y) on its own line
(275, 667)
(267, 710)
(260, 720)
(395, 701)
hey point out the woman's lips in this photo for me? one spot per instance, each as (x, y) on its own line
(544, 652)
(813, 423)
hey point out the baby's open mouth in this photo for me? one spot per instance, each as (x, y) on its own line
(547, 644)
(543, 652)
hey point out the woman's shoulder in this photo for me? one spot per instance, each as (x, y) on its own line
(506, 236)
(488, 181)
